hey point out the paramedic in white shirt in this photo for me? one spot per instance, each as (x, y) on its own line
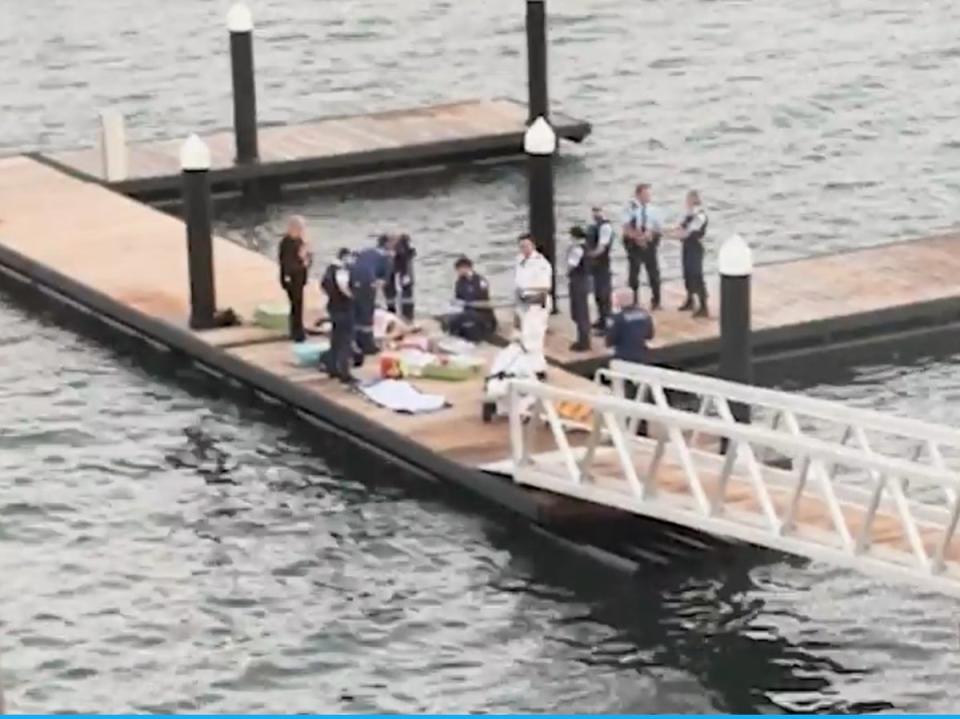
(534, 279)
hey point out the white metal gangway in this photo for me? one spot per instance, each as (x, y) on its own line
(815, 478)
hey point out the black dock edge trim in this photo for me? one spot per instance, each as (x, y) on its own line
(363, 432)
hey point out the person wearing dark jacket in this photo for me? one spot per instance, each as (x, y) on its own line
(294, 260)
(599, 237)
(336, 286)
(369, 269)
(629, 330)
(578, 279)
(398, 290)
(475, 321)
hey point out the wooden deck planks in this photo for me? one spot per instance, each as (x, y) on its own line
(137, 255)
(127, 250)
(799, 292)
(473, 120)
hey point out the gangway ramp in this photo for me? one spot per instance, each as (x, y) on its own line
(818, 479)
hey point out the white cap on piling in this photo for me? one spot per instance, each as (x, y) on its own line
(194, 154)
(735, 258)
(540, 139)
(239, 18)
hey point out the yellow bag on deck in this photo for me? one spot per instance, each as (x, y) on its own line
(575, 412)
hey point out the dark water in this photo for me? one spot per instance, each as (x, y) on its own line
(162, 548)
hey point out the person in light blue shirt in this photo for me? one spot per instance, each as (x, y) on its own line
(642, 228)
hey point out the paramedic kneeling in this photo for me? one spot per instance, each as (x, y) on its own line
(475, 321)
(533, 278)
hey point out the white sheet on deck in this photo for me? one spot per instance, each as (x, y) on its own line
(402, 396)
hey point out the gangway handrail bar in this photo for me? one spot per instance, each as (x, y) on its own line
(773, 399)
(875, 527)
(788, 444)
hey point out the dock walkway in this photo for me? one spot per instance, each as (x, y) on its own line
(332, 147)
(806, 303)
(875, 493)
(126, 263)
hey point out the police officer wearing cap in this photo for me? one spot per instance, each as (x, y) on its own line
(642, 229)
(475, 320)
(370, 269)
(599, 242)
(533, 278)
(398, 291)
(691, 232)
(336, 285)
(578, 279)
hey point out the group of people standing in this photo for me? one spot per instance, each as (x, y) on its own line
(588, 259)
(350, 283)
(352, 280)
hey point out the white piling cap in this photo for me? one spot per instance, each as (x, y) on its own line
(194, 154)
(735, 258)
(540, 139)
(239, 18)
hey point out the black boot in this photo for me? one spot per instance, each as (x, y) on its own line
(688, 305)
(702, 310)
(580, 346)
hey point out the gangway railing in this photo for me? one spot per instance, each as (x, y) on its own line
(923, 440)
(838, 500)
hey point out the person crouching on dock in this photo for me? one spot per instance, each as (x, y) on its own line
(294, 265)
(475, 320)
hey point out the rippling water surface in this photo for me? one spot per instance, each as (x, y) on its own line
(161, 548)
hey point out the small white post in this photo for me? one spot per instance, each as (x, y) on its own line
(113, 145)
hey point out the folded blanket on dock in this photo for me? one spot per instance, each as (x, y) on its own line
(402, 397)
(272, 316)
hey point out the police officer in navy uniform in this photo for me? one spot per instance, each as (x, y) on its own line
(691, 233)
(476, 320)
(629, 330)
(599, 242)
(336, 285)
(578, 278)
(642, 229)
(369, 270)
(398, 291)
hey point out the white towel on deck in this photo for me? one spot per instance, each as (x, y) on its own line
(402, 396)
